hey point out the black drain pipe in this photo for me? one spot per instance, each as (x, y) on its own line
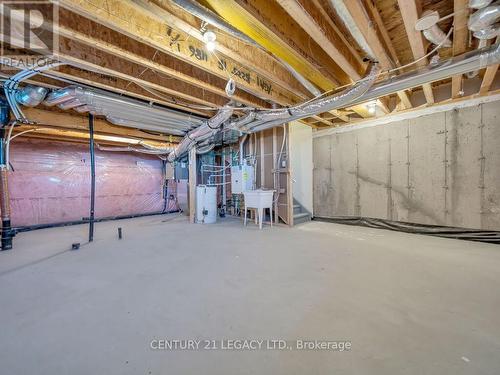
(92, 177)
(7, 232)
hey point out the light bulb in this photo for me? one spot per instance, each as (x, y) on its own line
(209, 36)
(372, 108)
(210, 46)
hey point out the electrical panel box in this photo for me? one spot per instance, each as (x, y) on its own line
(169, 171)
(242, 178)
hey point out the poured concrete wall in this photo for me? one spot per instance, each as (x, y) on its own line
(441, 168)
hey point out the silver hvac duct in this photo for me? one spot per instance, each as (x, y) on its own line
(134, 149)
(484, 18)
(462, 64)
(145, 126)
(31, 96)
(280, 116)
(489, 32)
(478, 4)
(202, 133)
(427, 23)
(214, 19)
(123, 111)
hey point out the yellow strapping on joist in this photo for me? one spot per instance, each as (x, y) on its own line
(242, 20)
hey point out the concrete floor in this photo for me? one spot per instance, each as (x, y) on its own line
(409, 304)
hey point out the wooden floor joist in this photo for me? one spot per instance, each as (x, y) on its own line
(369, 33)
(460, 40)
(410, 12)
(74, 121)
(147, 28)
(263, 22)
(206, 81)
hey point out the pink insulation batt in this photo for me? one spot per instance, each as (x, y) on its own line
(50, 182)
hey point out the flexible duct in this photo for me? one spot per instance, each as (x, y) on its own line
(364, 92)
(10, 86)
(134, 149)
(123, 111)
(484, 18)
(427, 23)
(436, 36)
(202, 133)
(269, 118)
(478, 4)
(489, 32)
(145, 126)
(204, 149)
(477, 59)
(31, 96)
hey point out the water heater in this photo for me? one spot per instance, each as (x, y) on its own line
(206, 204)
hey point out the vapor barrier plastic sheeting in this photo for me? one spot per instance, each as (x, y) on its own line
(432, 230)
(50, 183)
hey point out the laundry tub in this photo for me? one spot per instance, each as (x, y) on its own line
(260, 200)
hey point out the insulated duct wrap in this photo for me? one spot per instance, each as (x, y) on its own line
(31, 96)
(267, 119)
(436, 36)
(484, 18)
(202, 133)
(478, 4)
(123, 111)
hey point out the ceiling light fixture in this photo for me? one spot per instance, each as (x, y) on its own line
(372, 108)
(209, 38)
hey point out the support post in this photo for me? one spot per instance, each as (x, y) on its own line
(92, 177)
(4, 197)
(7, 232)
(192, 185)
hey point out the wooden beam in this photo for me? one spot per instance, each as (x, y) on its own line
(410, 11)
(269, 25)
(276, 30)
(338, 114)
(320, 119)
(59, 78)
(369, 32)
(324, 12)
(375, 15)
(192, 185)
(83, 56)
(176, 69)
(460, 39)
(309, 17)
(489, 77)
(138, 23)
(104, 64)
(63, 134)
(247, 55)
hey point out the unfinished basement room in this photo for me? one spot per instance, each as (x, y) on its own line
(250, 187)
